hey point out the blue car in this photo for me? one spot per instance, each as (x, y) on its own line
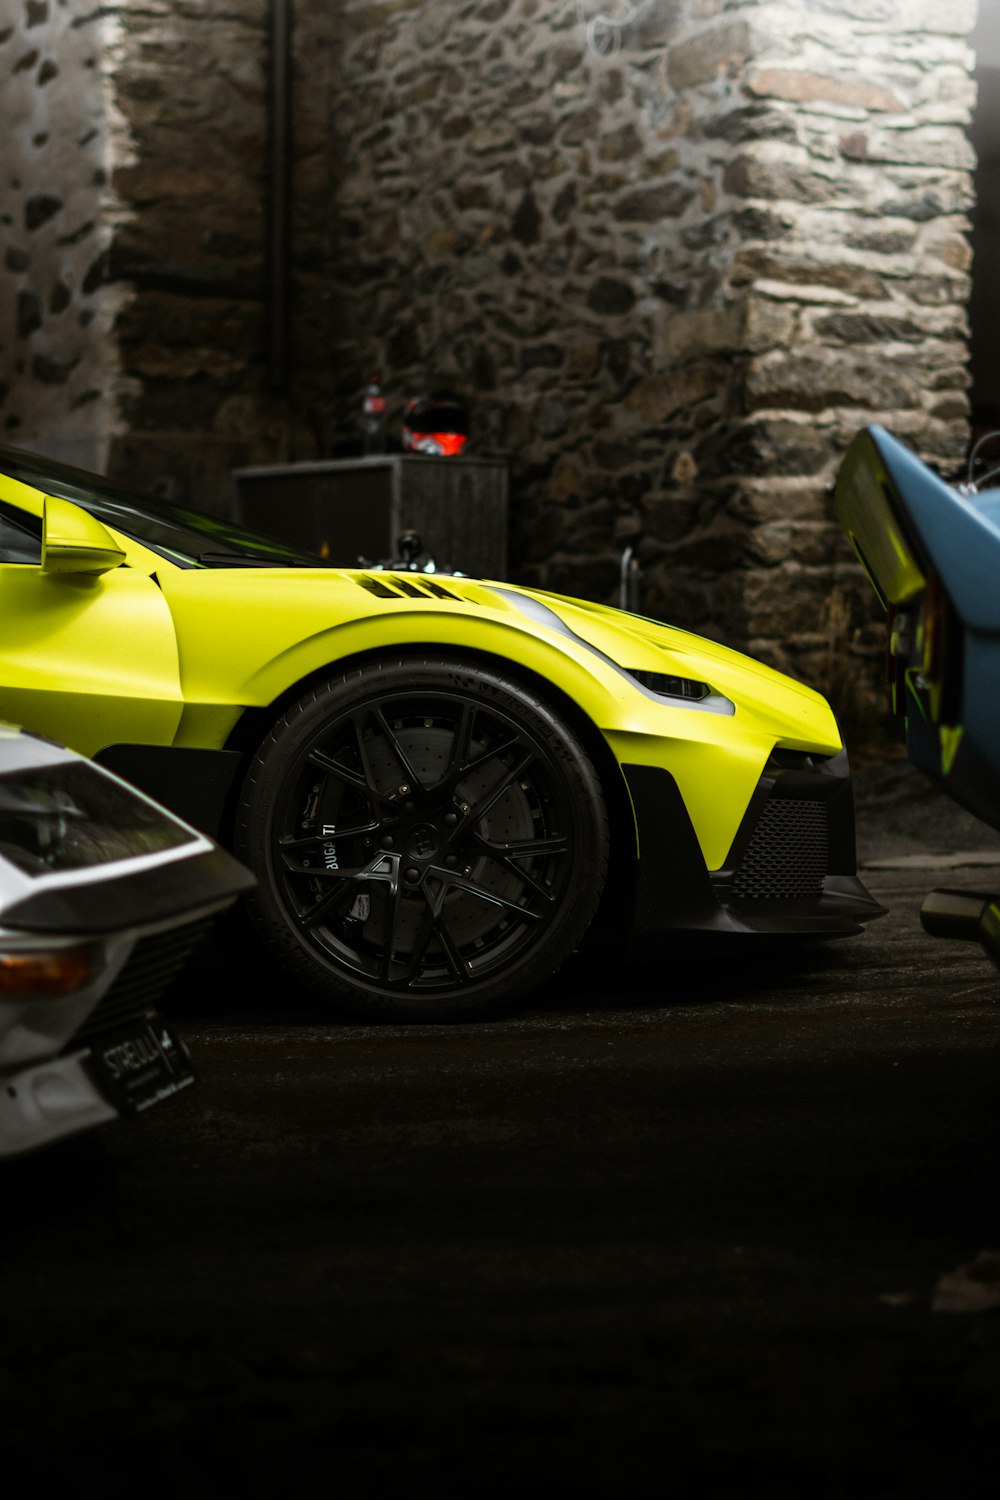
(931, 550)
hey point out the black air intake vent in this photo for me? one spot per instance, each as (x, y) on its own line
(154, 963)
(788, 855)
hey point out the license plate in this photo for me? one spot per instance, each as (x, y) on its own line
(140, 1065)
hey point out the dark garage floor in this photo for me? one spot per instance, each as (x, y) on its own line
(669, 1230)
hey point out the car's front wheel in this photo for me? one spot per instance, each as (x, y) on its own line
(430, 839)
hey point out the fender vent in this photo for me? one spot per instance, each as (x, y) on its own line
(413, 586)
(788, 855)
(377, 587)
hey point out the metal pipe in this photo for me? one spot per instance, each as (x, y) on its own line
(969, 915)
(629, 581)
(279, 134)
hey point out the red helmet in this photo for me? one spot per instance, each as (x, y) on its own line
(435, 424)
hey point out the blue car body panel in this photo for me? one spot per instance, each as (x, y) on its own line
(960, 532)
(910, 529)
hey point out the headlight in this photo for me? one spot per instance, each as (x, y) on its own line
(70, 815)
(671, 687)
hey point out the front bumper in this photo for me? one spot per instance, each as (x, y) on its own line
(49, 1101)
(791, 868)
(61, 1096)
(51, 1082)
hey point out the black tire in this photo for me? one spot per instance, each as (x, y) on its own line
(429, 838)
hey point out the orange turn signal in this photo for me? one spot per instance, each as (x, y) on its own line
(57, 971)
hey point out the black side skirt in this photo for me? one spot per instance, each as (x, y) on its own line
(194, 784)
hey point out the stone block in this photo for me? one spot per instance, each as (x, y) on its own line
(658, 397)
(813, 379)
(610, 297)
(703, 331)
(753, 323)
(869, 328)
(768, 497)
(802, 86)
(655, 24)
(785, 601)
(767, 325)
(583, 360)
(671, 515)
(567, 481)
(776, 447)
(721, 49)
(753, 123)
(758, 177)
(807, 266)
(954, 251)
(928, 146)
(648, 205)
(810, 543)
(717, 548)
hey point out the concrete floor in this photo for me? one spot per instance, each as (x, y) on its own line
(680, 1228)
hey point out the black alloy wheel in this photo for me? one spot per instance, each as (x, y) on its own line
(430, 840)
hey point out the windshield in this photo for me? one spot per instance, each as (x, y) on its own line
(185, 536)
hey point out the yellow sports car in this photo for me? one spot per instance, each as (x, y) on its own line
(444, 785)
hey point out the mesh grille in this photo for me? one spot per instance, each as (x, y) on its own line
(154, 962)
(788, 854)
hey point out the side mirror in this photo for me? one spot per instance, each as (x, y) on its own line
(74, 541)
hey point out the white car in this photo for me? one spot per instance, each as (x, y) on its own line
(103, 896)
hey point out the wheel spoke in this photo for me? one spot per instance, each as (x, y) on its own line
(371, 778)
(463, 883)
(366, 784)
(462, 763)
(490, 753)
(328, 905)
(384, 868)
(456, 963)
(492, 797)
(342, 773)
(507, 856)
(545, 892)
(345, 831)
(459, 966)
(397, 749)
(420, 944)
(557, 843)
(458, 763)
(433, 925)
(293, 866)
(391, 919)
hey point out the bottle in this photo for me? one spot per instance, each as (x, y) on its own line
(373, 417)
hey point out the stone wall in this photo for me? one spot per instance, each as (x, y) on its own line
(675, 263)
(59, 369)
(134, 331)
(193, 85)
(859, 268)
